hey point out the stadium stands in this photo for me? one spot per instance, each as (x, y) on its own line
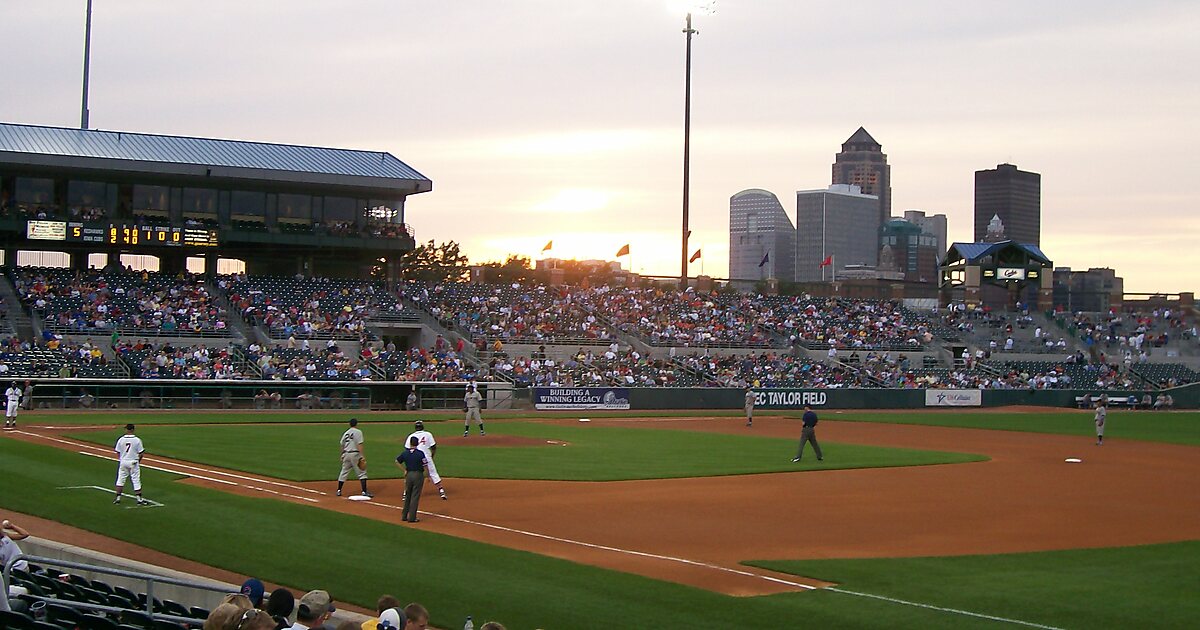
(311, 308)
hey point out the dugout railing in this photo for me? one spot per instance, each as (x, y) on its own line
(99, 602)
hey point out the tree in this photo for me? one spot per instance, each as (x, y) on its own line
(434, 263)
(514, 269)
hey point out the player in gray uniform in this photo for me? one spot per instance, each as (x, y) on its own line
(471, 404)
(749, 407)
(1101, 415)
(354, 458)
(13, 394)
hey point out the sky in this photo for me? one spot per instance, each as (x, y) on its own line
(563, 119)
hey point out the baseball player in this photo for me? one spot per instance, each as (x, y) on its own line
(353, 458)
(471, 404)
(1101, 414)
(749, 407)
(13, 394)
(426, 444)
(129, 454)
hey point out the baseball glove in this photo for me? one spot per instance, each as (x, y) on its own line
(362, 462)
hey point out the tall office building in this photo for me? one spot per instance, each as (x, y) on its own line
(1013, 195)
(839, 221)
(759, 228)
(934, 225)
(862, 163)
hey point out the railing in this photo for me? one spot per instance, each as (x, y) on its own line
(130, 331)
(149, 578)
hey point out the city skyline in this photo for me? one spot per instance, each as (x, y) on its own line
(538, 121)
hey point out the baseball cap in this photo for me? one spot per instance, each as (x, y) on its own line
(418, 425)
(129, 427)
(317, 602)
(391, 619)
(254, 589)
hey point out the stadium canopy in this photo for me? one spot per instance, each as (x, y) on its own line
(90, 149)
(976, 253)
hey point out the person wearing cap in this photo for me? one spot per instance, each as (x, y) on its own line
(354, 458)
(129, 453)
(253, 588)
(314, 609)
(412, 460)
(749, 406)
(428, 445)
(13, 394)
(390, 619)
(471, 404)
(280, 605)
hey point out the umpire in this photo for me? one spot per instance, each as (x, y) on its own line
(412, 460)
(808, 434)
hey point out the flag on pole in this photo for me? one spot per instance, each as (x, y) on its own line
(825, 263)
(624, 251)
(694, 257)
(766, 259)
(549, 245)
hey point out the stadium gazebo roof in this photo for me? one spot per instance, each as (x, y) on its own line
(61, 147)
(974, 253)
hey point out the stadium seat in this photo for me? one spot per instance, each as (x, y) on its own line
(133, 598)
(97, 622)
(63, 615)
(15, 620)
(137, 619)
(44, 625)
(163, 624)
(197, 612)
(174, 608)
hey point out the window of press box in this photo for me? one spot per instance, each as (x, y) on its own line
(295, 208)
(35, 191)
(339, 210)
(247, 206)
(199, 202)
(151, 200)
(89, 201)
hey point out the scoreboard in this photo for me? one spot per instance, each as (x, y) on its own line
(121, 234)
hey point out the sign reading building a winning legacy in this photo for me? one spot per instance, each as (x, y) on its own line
(580, 398)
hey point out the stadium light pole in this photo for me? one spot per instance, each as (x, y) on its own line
(87, 62)
(687, 133)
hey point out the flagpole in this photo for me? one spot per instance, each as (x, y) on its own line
(833, 267)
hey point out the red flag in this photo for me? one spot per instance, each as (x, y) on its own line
(828, 261)
(624, 251)
(694, 257)
(549, 244)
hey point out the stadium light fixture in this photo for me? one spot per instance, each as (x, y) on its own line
(706, 8)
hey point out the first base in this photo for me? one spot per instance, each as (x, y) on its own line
(1074, 460)
(585, 420)
(358, 497)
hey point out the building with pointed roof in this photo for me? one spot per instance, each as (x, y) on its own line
(862, 163)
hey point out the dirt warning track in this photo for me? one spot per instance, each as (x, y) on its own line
(696, 531)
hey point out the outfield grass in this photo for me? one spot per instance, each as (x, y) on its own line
(357, 559)
(1125, 587)
(593, 453)
(1174, 427)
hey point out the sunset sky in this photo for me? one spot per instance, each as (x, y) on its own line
(556, 119)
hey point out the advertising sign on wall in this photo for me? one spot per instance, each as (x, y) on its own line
(790, 398)
(953, 397)
(580, 398)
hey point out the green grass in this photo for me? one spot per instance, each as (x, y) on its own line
(593, 453)
(1126, 587)
(357, 559)
(1173, 428)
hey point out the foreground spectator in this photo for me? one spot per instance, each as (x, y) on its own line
(315, 609)
(418, 617)
(385, 603)
(280, 605)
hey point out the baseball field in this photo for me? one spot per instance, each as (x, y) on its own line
(667, 520)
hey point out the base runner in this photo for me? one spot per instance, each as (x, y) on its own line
(426, 444)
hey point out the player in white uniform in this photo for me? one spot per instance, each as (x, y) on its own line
(129, 452)
(13, 394)
(471, 403)
(354, 458)
(426, 444)
(1101, 415)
